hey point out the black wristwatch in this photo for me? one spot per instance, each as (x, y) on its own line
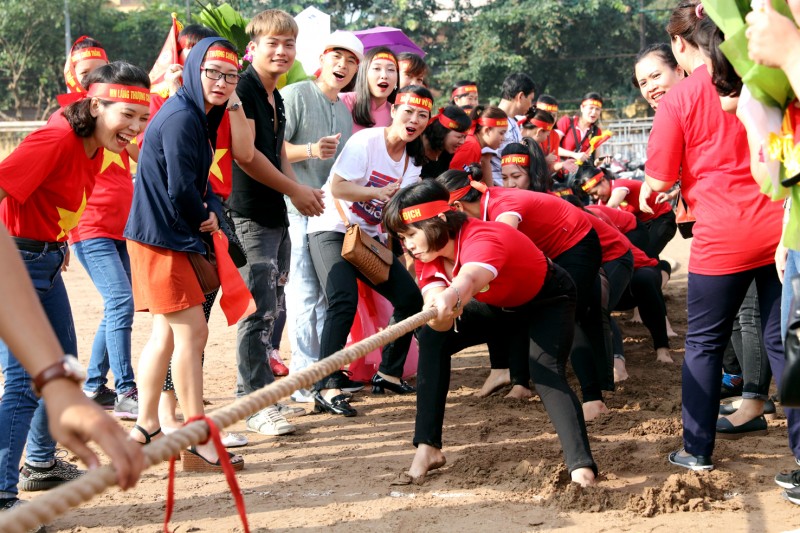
(236, 106)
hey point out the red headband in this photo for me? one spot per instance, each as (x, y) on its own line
(75, 56)
(129, 94)
(219, 53)
(448, 123)
(414, 100)
(458, 194)
(387, 56)
(550, 108)
(547, 126)
(561, 193)
(464, 89)
(515, 159)
(425, 211)
(493, 122)
(591, 183)
(592, 101)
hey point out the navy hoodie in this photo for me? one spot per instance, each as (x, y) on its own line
(172, 174)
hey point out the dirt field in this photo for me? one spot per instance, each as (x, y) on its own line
(504, 471)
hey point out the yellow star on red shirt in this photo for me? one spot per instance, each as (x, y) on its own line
(111, 157)
(215, 170)
(69, 219)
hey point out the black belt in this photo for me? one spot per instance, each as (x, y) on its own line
(34, 246)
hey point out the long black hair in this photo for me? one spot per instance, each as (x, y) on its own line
(79, 115)
(436, 132)
(362, 110)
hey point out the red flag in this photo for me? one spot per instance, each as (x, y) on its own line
(236, 301)
(169, 56)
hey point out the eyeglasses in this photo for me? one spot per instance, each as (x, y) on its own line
(216, 75)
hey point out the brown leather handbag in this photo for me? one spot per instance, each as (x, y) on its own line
(368, 255)
(205, 269)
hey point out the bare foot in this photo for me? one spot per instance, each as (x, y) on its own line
(670, 332)
(498, 378)
(637, 318)
(426, 459)
(620, 372)
(519, 392)
(592, 410)
(663, 356)
(583, 476)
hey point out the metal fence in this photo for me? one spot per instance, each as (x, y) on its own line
(630, 138)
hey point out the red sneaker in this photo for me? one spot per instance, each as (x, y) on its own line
(277, 365)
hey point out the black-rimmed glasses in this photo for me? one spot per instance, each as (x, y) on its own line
(216, 75)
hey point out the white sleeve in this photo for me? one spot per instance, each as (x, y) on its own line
(352, 163)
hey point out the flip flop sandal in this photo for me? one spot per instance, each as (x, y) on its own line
(194, 462)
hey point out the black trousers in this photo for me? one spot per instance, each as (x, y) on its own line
(660, 231)
(547, 321)
(644, 291)
(339, 281)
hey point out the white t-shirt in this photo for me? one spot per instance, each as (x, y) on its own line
(512, 135)
(366, 162)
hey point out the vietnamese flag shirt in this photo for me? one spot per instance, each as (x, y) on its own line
(518, 266)
(737, 227)
(48, 179)
(552, 224)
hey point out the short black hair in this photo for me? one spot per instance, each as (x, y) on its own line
(516, 83)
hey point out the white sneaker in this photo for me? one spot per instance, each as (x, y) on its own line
(290, 412)
(234, 440)
(269, 421)
(302, 396)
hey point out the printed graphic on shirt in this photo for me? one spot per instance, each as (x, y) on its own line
(372, 211)
(69, 219)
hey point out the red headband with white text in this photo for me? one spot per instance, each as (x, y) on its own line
(414, 100)
(464, 90)
(219, 53)
(75, 57)
(129, 94)
(520, 160)
(458, 194)
(593, 181)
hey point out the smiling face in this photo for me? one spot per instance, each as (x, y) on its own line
(382, 78)
(600, 192)
(338, 67)
(217, 92)
(273, 54)
(408, 122)
(117, 123)
(515, 177)
(655, 78)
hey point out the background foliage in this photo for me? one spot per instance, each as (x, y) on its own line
(568, 46)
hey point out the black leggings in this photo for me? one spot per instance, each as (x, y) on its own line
(660, 231)
(645, 293)
(548, 322)
(338, 280)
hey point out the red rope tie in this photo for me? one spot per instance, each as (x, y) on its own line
(227, 468)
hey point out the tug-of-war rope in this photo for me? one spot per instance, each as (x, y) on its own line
(56, 502)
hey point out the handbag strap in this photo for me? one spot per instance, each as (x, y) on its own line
(341, 213)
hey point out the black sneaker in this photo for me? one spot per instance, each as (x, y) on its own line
(692, 462)
(11, 503)
(788, 480)
(105, 397)
(348, 385)
(793, 495)
(32, 478)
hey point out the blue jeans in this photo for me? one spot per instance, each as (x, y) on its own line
(792, 270)
(713, 302)
(265, 275)
(108, 264)
(305, 300)
(22, 414)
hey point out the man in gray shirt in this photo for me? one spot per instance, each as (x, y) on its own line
(313, 108)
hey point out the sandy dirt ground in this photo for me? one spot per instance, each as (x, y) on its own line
(504, 470)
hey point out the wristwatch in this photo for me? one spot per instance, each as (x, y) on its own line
(236, 106)
(68, 368)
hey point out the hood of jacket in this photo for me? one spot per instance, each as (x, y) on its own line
(192, 89)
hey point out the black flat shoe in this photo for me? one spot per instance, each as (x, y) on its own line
(692, 462)
(379, 384)
(729, 407)
(336, 406)
(752, 428)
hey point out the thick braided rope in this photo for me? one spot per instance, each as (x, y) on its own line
(56, 502)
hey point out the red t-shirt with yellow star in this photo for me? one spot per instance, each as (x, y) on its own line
(220, 175)
(107, 209)
(48, 179)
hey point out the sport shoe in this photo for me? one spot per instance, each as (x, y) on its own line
(793, 495)
(788, 480)
(692, 462)
(290, 412)
(302, 396)
(269, 421)
(33, 479)
(104, 396)
(9, 504)
(348, 385)
(126, 407)
(731, 385)
(276, 364)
